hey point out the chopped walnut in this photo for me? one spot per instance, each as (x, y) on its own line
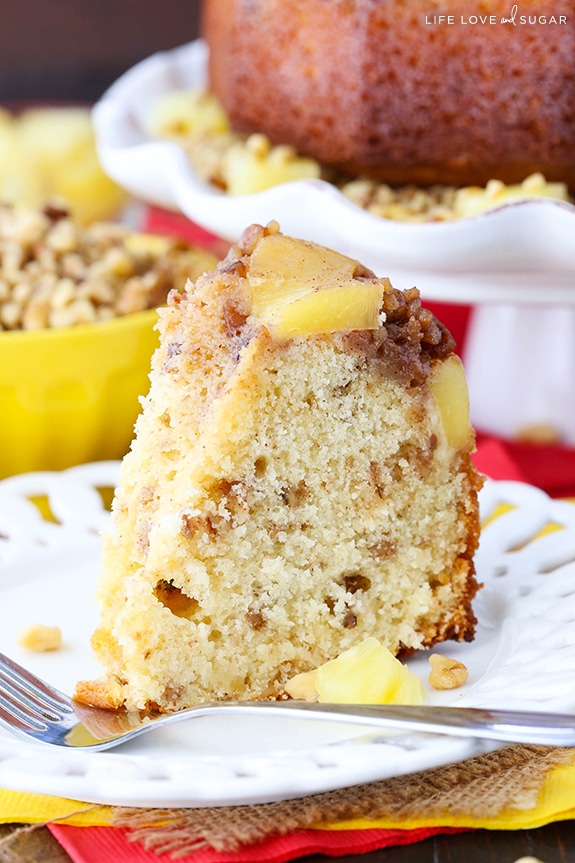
(446, 673)
(40, 638)
(355, 581)
(349, 619)
(57, 273)
(255, 619)
(302, 686)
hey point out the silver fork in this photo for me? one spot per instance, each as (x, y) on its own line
(31, 708)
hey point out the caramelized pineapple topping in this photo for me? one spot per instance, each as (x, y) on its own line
(299, 288)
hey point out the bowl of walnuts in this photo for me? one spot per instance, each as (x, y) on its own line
(77, 314)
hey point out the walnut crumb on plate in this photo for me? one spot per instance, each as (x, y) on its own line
(40, 638)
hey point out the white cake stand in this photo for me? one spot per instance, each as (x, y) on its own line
(515, 265)
(520, 366)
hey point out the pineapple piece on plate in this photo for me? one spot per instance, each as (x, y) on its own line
(365, 674)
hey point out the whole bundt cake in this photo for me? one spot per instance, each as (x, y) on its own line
(426, 91)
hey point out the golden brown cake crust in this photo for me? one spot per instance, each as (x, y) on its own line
(374, 86)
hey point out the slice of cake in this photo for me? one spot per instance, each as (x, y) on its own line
(300, 480)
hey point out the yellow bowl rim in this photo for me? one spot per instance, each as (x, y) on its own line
(75, 331)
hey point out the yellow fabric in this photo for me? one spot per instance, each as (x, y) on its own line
(18, 807)
(556, 803)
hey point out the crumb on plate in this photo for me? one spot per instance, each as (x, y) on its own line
(40, 638)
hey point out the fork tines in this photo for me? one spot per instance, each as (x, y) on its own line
(26, 701)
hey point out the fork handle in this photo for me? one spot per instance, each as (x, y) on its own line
(548, 729)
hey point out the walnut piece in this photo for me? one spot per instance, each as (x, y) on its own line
(55, 272)
(446, 673)
(40, 638)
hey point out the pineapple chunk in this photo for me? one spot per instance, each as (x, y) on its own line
(311, 289)
(52, 135)
(51, 152)
(40, 638)
(473, 199)
(90, 194)
(368, 674)
(365, 674)
(183, 113)
(153, 244)
(7, 134)
(347, 307)
(283, 269)
(410, 690)
(18, 178)
(449, 388)
(256, 165)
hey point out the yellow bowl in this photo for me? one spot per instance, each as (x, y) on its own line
(71, 395)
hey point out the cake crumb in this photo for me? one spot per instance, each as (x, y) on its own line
(103, 692)
(40, 638)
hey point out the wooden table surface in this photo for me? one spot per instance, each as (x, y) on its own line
(554, 843)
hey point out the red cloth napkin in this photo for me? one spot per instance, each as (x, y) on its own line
(94, 844)
(493, 459)
(549, 467)
(158, 221)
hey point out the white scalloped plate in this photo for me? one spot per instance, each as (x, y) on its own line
(522, 252)
(523, 657)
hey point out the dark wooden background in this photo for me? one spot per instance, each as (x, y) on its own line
(74, 49)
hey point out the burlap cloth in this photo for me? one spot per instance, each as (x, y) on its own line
(484, 786)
